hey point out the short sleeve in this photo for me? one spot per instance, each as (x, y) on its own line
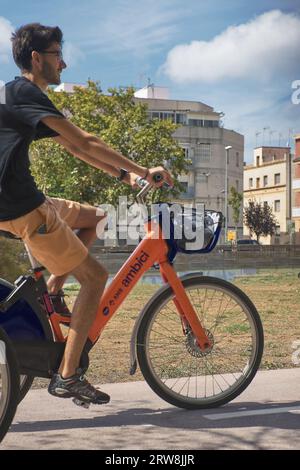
(31, 105)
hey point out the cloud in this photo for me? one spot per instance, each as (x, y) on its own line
(6, 29)
(130, 26)
(264, 46)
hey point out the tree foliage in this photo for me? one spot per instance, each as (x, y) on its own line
(123, 125)
(260, 219)
(235, 200)
(14, 260)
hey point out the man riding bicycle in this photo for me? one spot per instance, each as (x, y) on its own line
(47, 224)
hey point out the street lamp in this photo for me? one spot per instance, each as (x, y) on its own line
(227, 148)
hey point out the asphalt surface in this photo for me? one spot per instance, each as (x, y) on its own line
(265, 416)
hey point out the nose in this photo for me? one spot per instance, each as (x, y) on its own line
(63, 64)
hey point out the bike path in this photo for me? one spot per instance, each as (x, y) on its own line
(265, 416)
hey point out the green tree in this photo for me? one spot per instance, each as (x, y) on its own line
(14, 260)
(260, 219)
(235, 199)
(123, 125)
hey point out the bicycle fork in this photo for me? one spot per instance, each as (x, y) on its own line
(184, 306)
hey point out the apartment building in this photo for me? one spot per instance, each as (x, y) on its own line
(296, 190)
(202, 135)
(268, 180)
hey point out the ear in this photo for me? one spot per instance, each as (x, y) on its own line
(36, 58)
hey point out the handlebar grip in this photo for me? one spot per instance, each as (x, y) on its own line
(141, 182)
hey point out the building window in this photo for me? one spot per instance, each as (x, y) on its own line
(277, 230)
(277, 206)
(186, 152)
(202, 152)
(277, 178)
(185, 186)
(250, 182)
(265, 203)
(237, 156)
(257, 182)
(196, 122)
(265, 180)
(257, 160)
(180, 118)
(201, 178)
(237, 185)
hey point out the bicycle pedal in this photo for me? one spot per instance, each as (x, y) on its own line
(83, 404)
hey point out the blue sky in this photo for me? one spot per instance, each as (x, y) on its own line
(239, 57)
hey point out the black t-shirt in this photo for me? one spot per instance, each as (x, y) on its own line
(20, 124)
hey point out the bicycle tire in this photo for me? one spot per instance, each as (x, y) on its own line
(9, 384)
(25, 385)
(153, 366)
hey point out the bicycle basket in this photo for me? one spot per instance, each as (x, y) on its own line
(197, 232)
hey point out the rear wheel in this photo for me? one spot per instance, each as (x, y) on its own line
(172, 362)
(25, 385)
(9, 383)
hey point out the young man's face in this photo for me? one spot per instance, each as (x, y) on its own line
(52, 64)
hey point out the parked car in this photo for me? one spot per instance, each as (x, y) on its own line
(245, 241)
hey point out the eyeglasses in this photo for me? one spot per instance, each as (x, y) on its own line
(58, 54)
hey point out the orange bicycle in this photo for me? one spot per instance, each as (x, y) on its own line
(198, 341)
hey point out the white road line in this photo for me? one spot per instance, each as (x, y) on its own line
(262, 411)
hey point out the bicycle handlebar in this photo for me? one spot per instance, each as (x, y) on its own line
(145, 186)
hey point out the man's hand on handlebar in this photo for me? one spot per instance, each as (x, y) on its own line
(152, 173)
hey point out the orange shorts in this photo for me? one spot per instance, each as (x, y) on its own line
(47, 231)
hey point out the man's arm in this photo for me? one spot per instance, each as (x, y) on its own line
(100, 153)
(86, 158)
(92, 146)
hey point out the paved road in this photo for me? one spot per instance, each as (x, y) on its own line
(265, 416)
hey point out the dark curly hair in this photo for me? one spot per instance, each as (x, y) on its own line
(33, 37)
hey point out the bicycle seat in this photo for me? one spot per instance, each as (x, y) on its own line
(4, 233)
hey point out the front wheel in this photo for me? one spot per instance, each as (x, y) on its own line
(172, 362)
(9, 383)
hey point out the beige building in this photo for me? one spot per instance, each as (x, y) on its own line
(268, 180)
(203, 137)
(296, 190)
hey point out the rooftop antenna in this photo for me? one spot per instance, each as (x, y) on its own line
(270, 136)
(265, 129)
(289, 139)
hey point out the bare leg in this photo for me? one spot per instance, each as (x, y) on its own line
(92, 278)
(86, 223)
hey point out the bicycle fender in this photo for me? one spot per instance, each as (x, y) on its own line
(20, 321)
(133, 341)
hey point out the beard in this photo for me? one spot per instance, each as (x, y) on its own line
(50, 75)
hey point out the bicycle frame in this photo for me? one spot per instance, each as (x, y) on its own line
(152, 249)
